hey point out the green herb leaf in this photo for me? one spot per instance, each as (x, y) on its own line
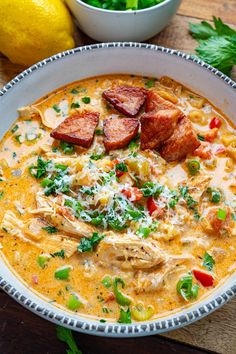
(208, 261)
(65, 335)
(96, 157)
(50, 229)
(200, 137)
(74, 91)
(40, 169)
(149, 188)
(143, 232)
(67, 148)
(86, 99)
(214, 195)
(99, 132)
(89, 244)
(56, 108)
(60, 254)
(150, 83)
(15, 128)
(217, 46)
(75, 105)
(121, 167)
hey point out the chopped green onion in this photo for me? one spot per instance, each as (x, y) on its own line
(140, 313)
(186, 289)
(121, 167)
(221, 214)
(120, 297)
(19, 138)
(125, 316)
(63, 272)
(73, 303)
(107, 282)
(214, 195)
(200, 137)
(149, 188)
(208, 261)
(43, 259)
(143, 232)
(193, 167)
(31, 136)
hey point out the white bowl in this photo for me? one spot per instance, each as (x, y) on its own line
(106, 25)
(84, 62)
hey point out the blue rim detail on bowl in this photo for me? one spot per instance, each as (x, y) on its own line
(110, 329)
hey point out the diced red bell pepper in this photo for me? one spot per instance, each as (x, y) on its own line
(133, 194)
(204, 278)
(110, 297)
(151, 205)
(215, 123)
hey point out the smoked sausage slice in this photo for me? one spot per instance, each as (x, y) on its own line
(126, 99)
(159, 121)
(183, 141)
(77, 129)
(119, 132)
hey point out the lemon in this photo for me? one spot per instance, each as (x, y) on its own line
(31, 30)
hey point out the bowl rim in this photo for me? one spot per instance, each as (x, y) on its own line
(124, 12)
(115, 329)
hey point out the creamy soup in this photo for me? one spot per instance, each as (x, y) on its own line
(117, 197)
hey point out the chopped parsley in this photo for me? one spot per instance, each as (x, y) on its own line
(86, 99)
(200, 137)
(149, 188)
(99, 131)
(60, 254)
(74, 91)
(150, 83)
(96, 157)
(121, 167)
(50, 229)
(56, 108)
(15, 128)
(65, 335)
(89, 244)
(40, 169)
(75, 105)
(67, 148)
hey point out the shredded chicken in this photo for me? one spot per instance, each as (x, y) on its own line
(152, 281)
(61, 217)
(129, 253)
(31, 231)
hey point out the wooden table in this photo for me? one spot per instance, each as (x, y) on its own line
(22, 332)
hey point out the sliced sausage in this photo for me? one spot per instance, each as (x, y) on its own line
(157, 127)
(77, 129)
(119, 132)
(126, 99)
(182, 142)
(155, 102)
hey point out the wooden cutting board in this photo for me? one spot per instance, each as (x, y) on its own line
(216, 332)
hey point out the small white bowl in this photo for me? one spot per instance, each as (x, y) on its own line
(108, 25)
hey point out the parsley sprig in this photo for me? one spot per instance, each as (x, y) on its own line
(217, 45)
